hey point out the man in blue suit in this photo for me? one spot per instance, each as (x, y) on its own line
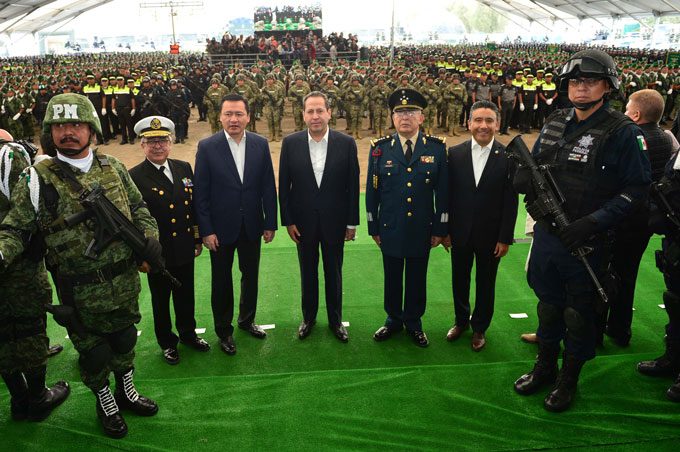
(407, 211)
(235, 199)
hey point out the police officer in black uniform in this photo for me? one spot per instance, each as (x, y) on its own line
(601, 170)
(668, 261)
(407, 211)
(167, 188)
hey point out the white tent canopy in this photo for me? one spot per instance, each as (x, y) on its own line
(32, 16)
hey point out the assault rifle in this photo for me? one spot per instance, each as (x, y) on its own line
(549, 201)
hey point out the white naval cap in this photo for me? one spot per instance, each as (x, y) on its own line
(154, 126)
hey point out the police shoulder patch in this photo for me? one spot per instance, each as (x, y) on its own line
(380, 140)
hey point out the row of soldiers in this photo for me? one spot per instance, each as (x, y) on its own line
(355, 90)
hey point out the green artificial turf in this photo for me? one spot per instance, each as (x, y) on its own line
(319, 394)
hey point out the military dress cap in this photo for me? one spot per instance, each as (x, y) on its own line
(104, 79)
(89, 76)
(154, 126)
(403, 99)
(120, 77)
(130, 80)
(172, 81)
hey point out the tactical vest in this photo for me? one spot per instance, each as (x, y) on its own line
(659, 149)
(573, 159)
(68, 245)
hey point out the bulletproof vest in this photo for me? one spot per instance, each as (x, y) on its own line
(59, 201)
(573, 159)
(659, 149)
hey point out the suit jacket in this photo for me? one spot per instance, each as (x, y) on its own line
(484, 214)
(222, 201)
(172, 207)
(335, 203)
(407, 202)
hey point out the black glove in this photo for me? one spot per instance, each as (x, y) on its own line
(577, 233)
(153, 254)
(66, 317)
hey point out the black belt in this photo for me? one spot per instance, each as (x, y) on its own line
(102, 275)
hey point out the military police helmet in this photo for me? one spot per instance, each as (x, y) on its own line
(71, 107)
(590, 63)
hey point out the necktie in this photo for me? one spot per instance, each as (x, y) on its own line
(409, 152)
(162, 171)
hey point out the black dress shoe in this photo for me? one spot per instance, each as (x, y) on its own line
(197, 343)
(419, 338)
(40, 408)
(54, 350)
(171, 356)
(254, 330)
(228, 345)
(340, 332)
(383, 333)
(305, 328)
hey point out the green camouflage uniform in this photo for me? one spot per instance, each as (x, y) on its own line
(14, 107)
(455, 96)
(246, 91)
(432, 95)
(295, 95)
(24, 287)
(333, 94)
(212, 100)
(273, 97)
(355, 97)
(103, 307)
(26, 119)
(379, 95)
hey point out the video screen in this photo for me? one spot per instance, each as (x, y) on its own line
(275, 19)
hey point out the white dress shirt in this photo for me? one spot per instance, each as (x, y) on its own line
(317, 153)
(403, 140)
(166, 169)
(479, 157)
(238, 151)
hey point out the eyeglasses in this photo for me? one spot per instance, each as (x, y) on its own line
(156, 142)
(407, 113)
(587, 82)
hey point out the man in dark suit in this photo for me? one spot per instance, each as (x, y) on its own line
(319, 196)
(407, 211)
(483, 206)
(235, 199)
(166, 186)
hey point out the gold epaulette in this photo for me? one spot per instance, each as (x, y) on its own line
(437, 139)
(380, 140)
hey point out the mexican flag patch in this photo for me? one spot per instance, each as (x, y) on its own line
(642, 143)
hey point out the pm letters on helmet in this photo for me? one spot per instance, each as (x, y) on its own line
(70, 111)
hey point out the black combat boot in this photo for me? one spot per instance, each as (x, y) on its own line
(544, 371)
(42, 400)
(673, 392)
(666, 365)
(18, 390)
(560, 398)
(109, 415)
(128, 398)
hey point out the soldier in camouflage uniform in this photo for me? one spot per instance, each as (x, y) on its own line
(355, 97)
(432, 95)
(213, 102)
(379, 95)
(333, 94)
(245, 90)
(12, 109)
(24, 292)
(98, 297)
(296, 94)
(455, 96)
(26, 118)
(273, 97)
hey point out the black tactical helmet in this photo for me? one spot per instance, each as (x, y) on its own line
(590, 63)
